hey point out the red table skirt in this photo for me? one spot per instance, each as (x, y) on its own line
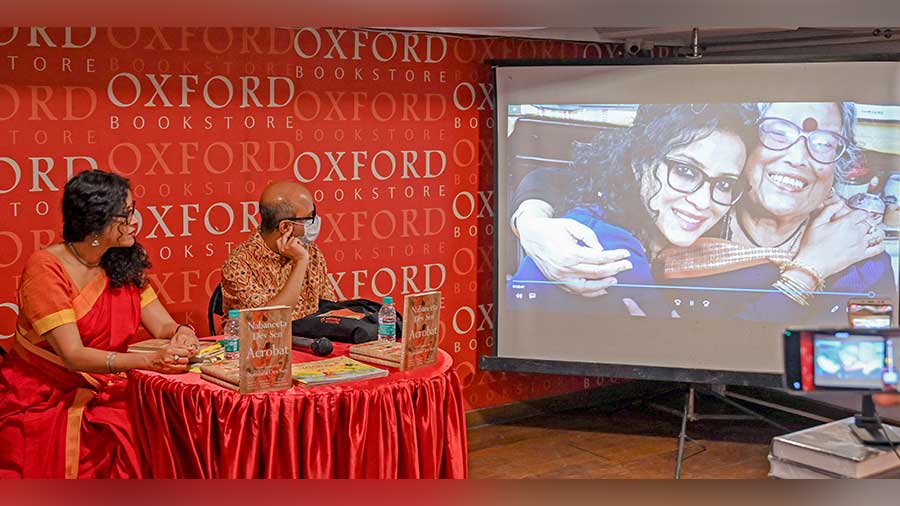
(406, 425)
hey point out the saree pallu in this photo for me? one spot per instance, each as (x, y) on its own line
(56, 423)
(739, 279)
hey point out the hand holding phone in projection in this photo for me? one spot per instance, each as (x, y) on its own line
(568, 251)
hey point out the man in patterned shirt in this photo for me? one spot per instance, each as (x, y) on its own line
(279, 264)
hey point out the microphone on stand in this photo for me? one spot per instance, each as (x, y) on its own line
(319, 347)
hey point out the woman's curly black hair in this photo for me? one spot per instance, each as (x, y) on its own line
(90, 200)
(611, 166)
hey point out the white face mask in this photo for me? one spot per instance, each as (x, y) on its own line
(311, 231)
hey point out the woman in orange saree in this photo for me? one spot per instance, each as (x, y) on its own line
(62, 391)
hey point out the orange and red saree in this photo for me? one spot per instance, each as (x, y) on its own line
(57, 423)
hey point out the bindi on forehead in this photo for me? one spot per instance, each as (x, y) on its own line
(810, 124)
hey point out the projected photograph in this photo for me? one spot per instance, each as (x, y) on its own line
(772, 212)
(853, 364)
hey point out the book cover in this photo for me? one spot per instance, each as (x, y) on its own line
(421, 330)
(333, 370)
(265, 353)
(833, 448)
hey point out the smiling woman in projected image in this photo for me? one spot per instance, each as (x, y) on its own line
(802, 239)
(790, 233)
(664, 181)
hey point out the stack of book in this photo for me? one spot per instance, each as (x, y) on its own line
(381, 352)
(210, 353)
(225, 374)
(830, 451)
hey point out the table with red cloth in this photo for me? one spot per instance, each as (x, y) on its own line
(406, 425)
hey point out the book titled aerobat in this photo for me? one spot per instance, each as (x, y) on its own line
(265, 353)
(421, 330)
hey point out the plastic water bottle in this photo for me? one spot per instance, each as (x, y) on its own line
(232, 332)
(387, 320)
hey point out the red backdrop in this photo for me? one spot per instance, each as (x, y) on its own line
(392, 131)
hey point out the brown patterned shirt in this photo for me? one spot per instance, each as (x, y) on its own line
(253, 274)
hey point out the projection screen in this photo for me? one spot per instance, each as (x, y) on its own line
(727, 201)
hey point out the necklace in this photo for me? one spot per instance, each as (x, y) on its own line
(794, 235)
(78, 257)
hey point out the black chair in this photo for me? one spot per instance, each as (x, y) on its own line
(215, 308)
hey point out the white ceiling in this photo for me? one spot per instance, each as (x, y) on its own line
(715, 41)
(472, 13)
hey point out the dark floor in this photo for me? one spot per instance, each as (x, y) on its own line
(626, 441)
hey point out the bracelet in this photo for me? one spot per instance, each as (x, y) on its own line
(188, 325)
(109, 362)
(796, 297)
(819, 282)
(793, 290)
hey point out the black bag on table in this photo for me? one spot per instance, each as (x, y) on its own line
(351, 321)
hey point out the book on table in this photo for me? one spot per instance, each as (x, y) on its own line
(333, 370)
(225, 374)
(381, 352)
(832, 448)
(421, 332)
(787, 470)
(208, 352)
(265, 349)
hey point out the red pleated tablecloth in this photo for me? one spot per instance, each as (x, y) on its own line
(405, 425)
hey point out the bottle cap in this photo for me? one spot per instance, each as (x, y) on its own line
(387, 300)
(234, 313)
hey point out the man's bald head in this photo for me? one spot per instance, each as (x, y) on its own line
(282, 200)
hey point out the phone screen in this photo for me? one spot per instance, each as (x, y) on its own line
(851, 362)
(841, 361)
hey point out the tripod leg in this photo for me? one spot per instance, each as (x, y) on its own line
(683, 435)
(745, 409)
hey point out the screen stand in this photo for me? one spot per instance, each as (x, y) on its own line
(688, 414)
(867, 429)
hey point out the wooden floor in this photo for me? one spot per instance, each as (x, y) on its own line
(630, 441)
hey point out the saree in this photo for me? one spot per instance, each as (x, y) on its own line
(740, 279)
(54, 422)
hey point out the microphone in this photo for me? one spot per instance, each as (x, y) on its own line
(319, 347)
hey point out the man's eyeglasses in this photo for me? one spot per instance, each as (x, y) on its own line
(128, 213)
(685, 177)
(824, 146)
(306, 220)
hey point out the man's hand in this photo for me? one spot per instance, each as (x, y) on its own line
(292, 248)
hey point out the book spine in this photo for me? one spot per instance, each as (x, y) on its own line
(217, 381)
(819, 460)
(216, 372)
(373, 360)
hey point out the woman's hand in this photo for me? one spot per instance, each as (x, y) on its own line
(170, 359)
(838, 238)
(186, 337)
(567, 251)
